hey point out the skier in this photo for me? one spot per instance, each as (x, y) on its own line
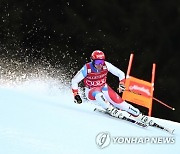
(94, 75)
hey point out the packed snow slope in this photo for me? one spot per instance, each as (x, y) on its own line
(38, 117)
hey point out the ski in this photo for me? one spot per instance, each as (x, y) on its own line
(155, 125)
(141, 124)
(124, 118)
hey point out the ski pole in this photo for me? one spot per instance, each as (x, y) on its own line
(172, 108)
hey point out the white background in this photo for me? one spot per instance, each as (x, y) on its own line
(38, 117)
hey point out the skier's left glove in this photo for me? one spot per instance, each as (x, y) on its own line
(122, 87)
(77, 98)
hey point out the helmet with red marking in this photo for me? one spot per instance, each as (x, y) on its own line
(97, 54)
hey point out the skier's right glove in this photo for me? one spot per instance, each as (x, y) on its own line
(77, 98)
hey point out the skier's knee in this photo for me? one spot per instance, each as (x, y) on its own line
(99, 96)
(101, 100)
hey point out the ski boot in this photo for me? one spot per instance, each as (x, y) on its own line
(145, 119)
(116, 112)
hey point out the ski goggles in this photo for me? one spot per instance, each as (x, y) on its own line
(99, 62)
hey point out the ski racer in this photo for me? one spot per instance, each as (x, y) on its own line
(94, 75)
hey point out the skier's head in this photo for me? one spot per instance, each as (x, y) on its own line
(97, 55)
(97, 58)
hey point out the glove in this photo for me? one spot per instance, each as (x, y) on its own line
(77, 99)
(122, 87)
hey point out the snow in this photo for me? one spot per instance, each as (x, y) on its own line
(38, 118)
